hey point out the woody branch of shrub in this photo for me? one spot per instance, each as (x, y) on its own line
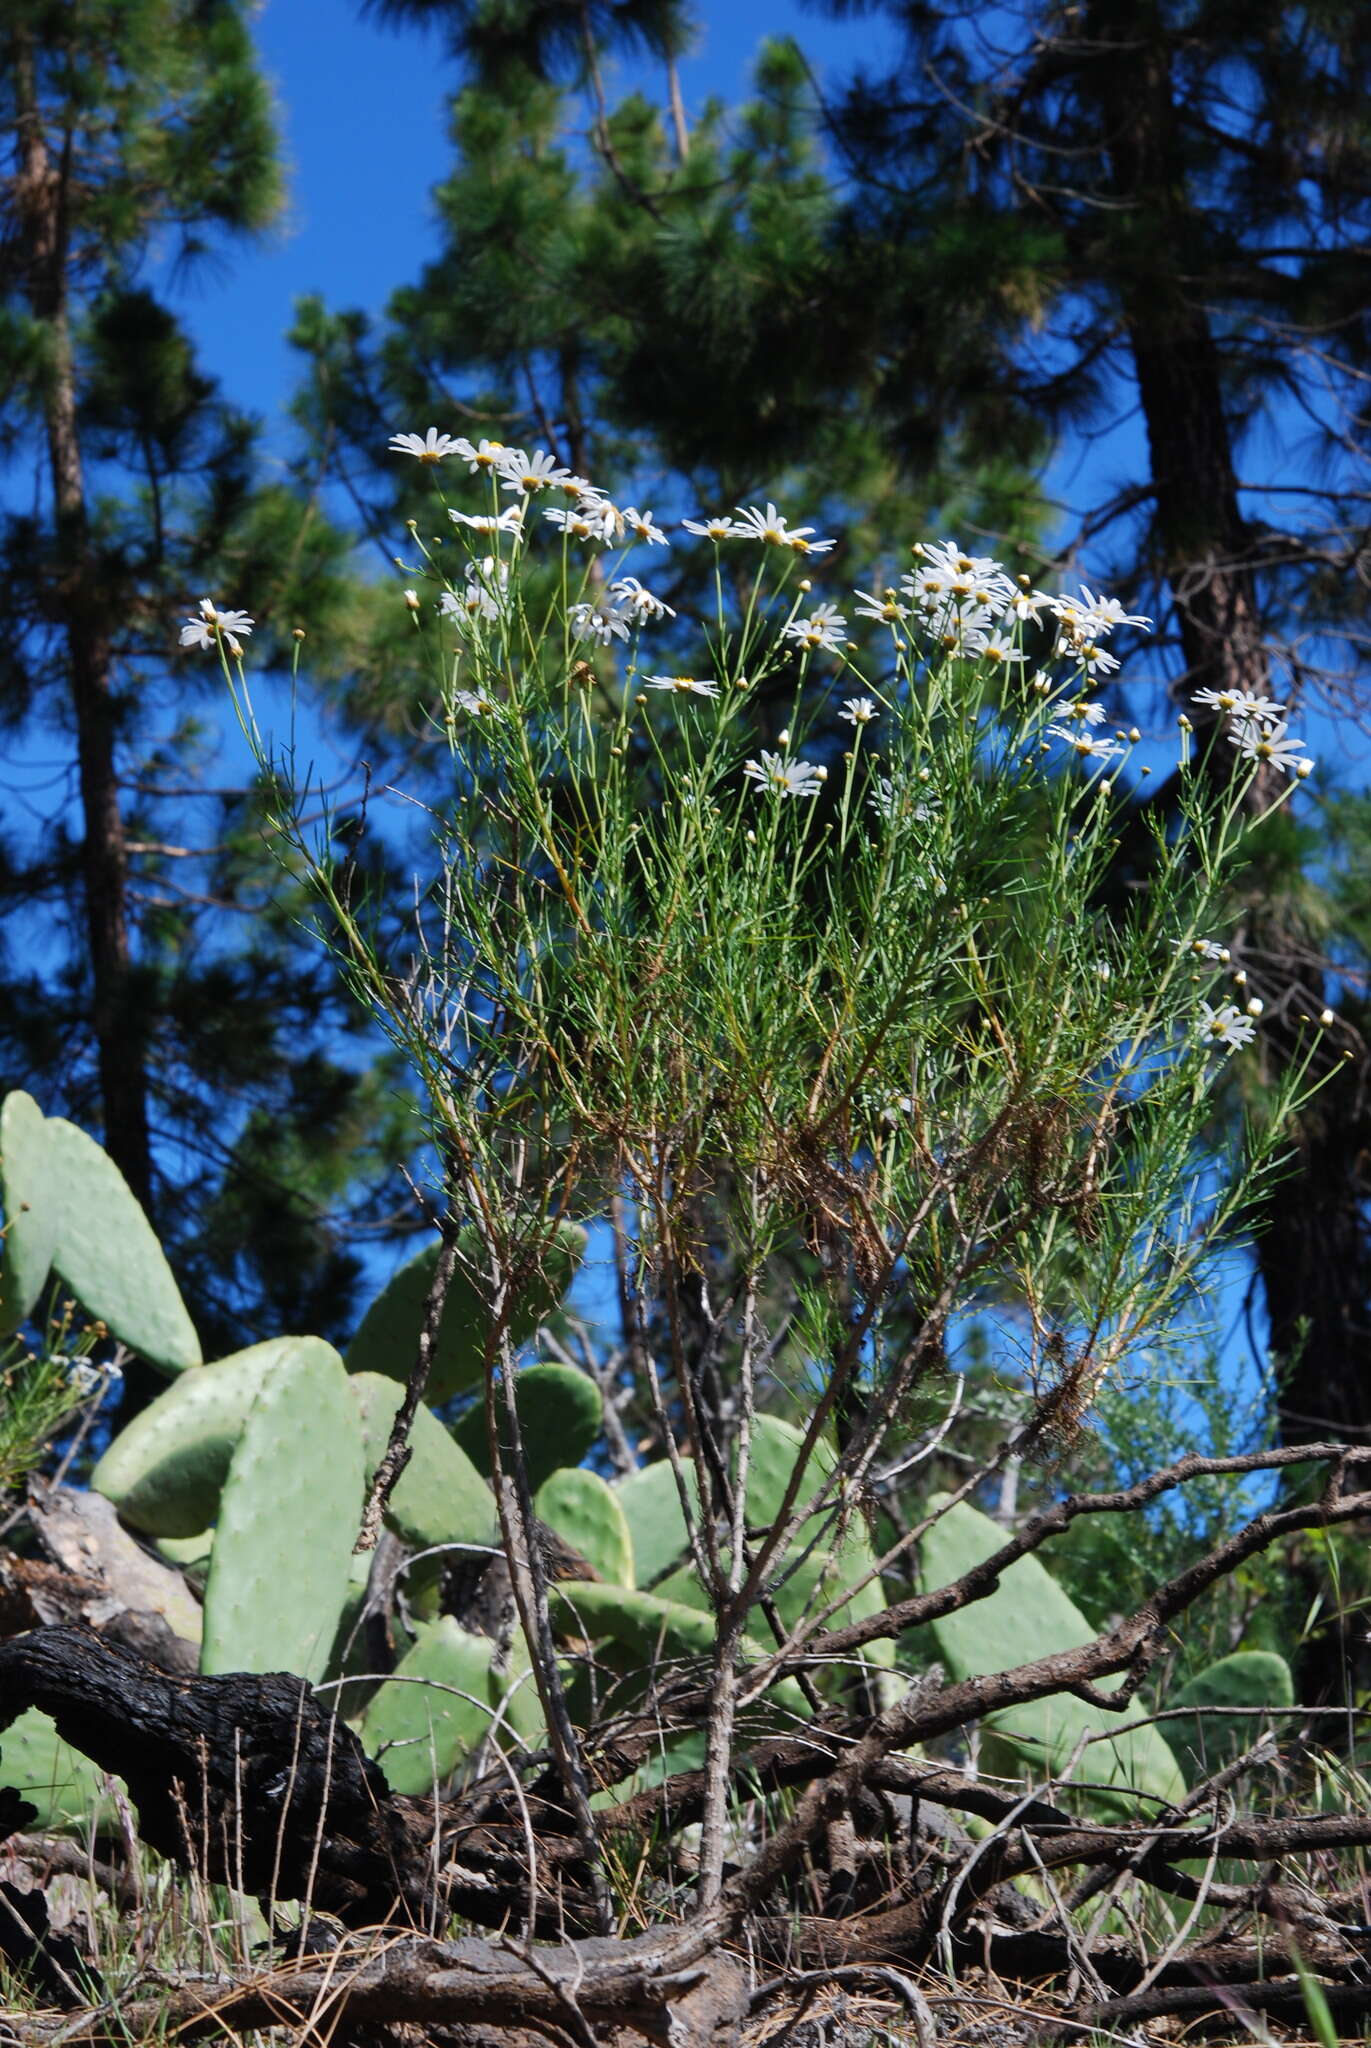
(130, 1720)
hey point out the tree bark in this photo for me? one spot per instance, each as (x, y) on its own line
(43, 196)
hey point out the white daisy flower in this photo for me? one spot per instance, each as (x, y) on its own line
(604, 620)
(1091, 657)
(1082, 712)
(1226, 1027)
(1101, 614)
(771, 528)
(787, 778)
(859, 710)
(640, 525)
(576, 487)
(824, 628)
(474, 701)
(887, 609)
(951, 577)
(958, 632)
(1242, 705)
(926, 586)
(528, 473)
(488, 457)
(204, 631)
(511, 520)
(684, 686)
(890, 802)
(641, 602)
(485, 594)
(1208, 950)
(1085, 744)
(1272, 746)
(716, 529)
(999, 648)
(578, 524)
(1030, 605)
(606, 520)
(87, 1376)
(429, 447)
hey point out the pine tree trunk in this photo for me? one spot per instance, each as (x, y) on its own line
(1313, 1247)
(42, 204)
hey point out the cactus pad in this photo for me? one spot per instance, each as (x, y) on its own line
(288, 1519)
(820, 1579)
(166, 1471)
(1029, 1616)
(438, 1707)
(440, 1497)
(106, 1251)
(30, 1208)
(648, 1632)
(583, 1509)
(560, 1416)
(387, 1339)
(652, 1509)
(1247, 1678)
(66, 1787)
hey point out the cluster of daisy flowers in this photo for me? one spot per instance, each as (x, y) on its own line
(1221, 1027)
(1227, 1027)
(958, 605)
(1259, 729)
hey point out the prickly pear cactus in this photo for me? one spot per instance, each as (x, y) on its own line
(388, 1337)
(652, 1509)
(648, 1632)
(582, 1508)
(1030, 1616)
(288, 1519)
(166, 1471)
(1210, 1738)
(30, 1208)
(67, 1789)
(652, 1506)
(560, 1416)
(440, 1497)
(441, 1702)
(106, 1251)
(653, 1630)
(821, 1578)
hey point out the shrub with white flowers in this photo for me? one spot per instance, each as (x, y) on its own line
(678, 952)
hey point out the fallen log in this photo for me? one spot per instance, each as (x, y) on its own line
(247, 1780)
(673, 1988)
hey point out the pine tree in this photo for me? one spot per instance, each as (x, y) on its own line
(674, 302)
(155, 987)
